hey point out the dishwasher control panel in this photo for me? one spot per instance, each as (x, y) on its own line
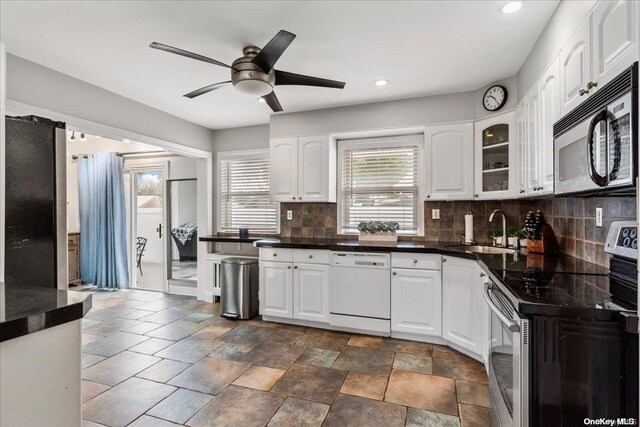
(356, 259)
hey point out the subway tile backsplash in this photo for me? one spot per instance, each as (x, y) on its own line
(572, 219)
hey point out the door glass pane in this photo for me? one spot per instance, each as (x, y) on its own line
(183, 205)
(495, 158)
(150, 232)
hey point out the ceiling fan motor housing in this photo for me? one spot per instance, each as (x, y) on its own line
(250, 79)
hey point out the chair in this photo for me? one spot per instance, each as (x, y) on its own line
(140, 247)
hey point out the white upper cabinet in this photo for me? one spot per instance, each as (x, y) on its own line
(496, 159)
(531, 131)
(614, 41)
(549, 94)
(283, 155)
(449, 161)
(303, 169)
(313, 174)
(575, 68)
(522, 152)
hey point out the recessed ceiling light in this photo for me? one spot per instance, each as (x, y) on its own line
(511, 7)
(261, 100)
(381, 82)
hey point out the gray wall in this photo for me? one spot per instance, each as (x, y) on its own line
(454, 107)
(564, 22)
(244, 138)
(35, 85)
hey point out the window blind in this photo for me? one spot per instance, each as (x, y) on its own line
(244, 193)
(380, 183)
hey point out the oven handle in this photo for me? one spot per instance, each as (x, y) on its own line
(513, 326)
(600, 180)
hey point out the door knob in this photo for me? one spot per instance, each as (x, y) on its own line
(159, 231)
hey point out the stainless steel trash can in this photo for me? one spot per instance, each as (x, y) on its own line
(239, 288)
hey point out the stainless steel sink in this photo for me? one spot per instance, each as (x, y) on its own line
(487, 249)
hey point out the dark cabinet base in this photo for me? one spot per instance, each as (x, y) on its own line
(581, 369)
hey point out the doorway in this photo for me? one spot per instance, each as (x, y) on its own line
(147, 235)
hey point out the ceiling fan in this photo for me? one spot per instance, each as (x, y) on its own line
(253, 73)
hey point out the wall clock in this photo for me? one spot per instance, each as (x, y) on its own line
(494, 98)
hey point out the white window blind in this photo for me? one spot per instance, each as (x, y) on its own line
(380, 182)
(244, 195)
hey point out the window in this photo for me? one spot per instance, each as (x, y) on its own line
(379, 181)
(244, 193)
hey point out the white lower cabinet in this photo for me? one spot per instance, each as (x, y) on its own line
(311, 292)
(462, 303)
(276, 289)
(292, 290)
(416, 301)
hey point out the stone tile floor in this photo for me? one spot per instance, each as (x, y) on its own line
(151, 359)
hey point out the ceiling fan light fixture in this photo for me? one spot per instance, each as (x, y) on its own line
(511, 7)
(381, 82)
(253, 87)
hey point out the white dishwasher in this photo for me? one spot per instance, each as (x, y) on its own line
(360, 292)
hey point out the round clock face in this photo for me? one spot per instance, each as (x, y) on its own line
(494, 98)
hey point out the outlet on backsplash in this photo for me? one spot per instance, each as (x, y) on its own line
(598, 217)
(435, 213)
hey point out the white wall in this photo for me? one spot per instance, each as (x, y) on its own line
(32, 84)
(564, 22)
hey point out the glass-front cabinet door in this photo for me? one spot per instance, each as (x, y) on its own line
(496, 157)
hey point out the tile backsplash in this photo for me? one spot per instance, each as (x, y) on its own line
(572, 219)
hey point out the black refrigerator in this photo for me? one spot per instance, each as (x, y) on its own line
(35, 202)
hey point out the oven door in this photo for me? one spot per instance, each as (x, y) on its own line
(508, 361)
(580, 162)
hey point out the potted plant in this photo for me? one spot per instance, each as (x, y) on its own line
(516, 234)
(381, 231)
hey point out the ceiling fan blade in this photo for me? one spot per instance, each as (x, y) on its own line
(182, 52)
(272, 101)
(270, 54)
(206, 89)
(286, 78)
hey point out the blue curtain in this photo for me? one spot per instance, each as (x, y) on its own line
(103, 248)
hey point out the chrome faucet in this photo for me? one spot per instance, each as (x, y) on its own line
(505, 239)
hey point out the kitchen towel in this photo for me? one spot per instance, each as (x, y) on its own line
(468, 228)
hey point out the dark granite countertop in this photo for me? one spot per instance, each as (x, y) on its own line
(229, 239)
(444, 248)
(28, 309)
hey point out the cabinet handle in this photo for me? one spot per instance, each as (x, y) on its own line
(288, 267)
(293, 197)
(415, 261)
(475, 195)
(295, 267)
(583, 92)
(299, 198)
(522, 191)
(275, 254)
(428, 196)
(591, 85)
(444, 260)
(310, 256)
(482, 274)
(394, 273)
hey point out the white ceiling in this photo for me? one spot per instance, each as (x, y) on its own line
(422, 48)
